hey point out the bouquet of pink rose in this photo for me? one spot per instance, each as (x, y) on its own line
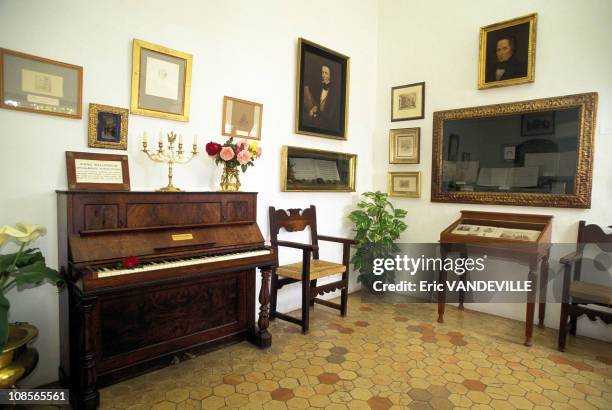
(233, 154)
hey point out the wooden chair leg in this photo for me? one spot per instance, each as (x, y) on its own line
(563, 327)
(273, 294)
(313, 285)
(305, 305)
(573, 325)
(344, 294)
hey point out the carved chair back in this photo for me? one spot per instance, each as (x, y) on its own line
(591, 234)
(294, 220)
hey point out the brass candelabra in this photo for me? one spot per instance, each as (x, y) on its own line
(170, 156)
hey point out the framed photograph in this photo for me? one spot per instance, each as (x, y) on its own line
(241, 118)
(408, 102)
(404, 146)
(406, 184)
(304, 169)
(509, 153)
(161, 81)
(322, 91)
(107, 127)
(507, 52)
(88, 171)
(39, 85)
(538, 123)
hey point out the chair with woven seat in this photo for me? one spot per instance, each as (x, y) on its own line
(311, 268)
(577, 293)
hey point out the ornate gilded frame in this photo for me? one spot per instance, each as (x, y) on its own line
(394, 134)
(531, 46)
(581, 198)
(287, 186)
(92, 127)
(136, 105)
(412, 174)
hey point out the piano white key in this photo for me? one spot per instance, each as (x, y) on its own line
(166, 264)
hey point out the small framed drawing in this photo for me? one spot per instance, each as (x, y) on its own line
(39, 85)
(507, 52)
(538, 123)
(406, 184)
(88, 171)
(305, 169)
(241, 118)
(408, 102)
(404, 146)
(322, 91)
(509, 153)
(107, 127)
(161, 81)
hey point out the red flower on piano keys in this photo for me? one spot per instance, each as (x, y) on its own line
(131, 262)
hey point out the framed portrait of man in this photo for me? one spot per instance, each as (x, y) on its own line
(322, 91)
(507, 52)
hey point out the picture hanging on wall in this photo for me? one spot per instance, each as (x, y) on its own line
(241, 119)
(161, 81)
(404, 146)
(107, 127)
(507, 52)
(406, 184)
(39, 85)
(408, 102)
(322, 91)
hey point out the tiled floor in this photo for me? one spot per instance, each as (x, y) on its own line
(384, 356)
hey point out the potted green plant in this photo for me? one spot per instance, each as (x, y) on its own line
(377, 225)
(25, 267)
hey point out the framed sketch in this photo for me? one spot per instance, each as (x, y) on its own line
(161, 81)
(408, 102)
(107, 127)
(322, 91)
(507, 52)
(241, 118)
(509, 153)
(406, 184)
(88, 171)
(538, 123)
(39, 85)
(404, 146)
(304, 169)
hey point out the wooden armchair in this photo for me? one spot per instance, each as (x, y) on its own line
(311, 268)
(578, 294)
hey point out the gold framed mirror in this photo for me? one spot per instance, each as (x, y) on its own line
(527, 153)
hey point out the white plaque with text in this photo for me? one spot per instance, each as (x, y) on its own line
(89, 171)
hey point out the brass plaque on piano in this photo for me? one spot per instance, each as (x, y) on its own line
(182, 237)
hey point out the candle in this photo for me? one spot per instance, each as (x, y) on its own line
(181, 139)
(161, 140)
(144, 137)
(195, 140)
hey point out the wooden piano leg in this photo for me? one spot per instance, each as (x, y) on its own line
(530, 311)
(261, 337)
(462, 278)
(87, 395)
(442, 280)
(543, 289)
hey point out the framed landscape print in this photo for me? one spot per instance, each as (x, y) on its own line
(322, 91)
(107, 127)
(39, 85)
(507, 52)
(304, 169)
(161, 81)
(89, 171)
(408, 102)
(406, 184)
(404, 146)
(241, 118)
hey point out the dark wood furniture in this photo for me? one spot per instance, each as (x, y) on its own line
(311, 268)
(522, 251)
(577, 294)
(193, 290)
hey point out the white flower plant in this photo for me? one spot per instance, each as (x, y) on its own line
(25, 267)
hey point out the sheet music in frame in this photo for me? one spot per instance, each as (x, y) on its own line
(307, 169)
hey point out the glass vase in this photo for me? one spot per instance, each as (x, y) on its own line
(230, 179)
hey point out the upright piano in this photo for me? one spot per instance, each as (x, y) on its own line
(193, 288)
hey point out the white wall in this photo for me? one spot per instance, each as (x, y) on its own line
(243, 49)
(437, 42)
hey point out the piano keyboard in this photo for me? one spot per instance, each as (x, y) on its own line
(165, 264)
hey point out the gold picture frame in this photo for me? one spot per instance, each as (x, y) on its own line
(552, 190)
(161, 81)
(408, 102)
(322, 113)
(241, 118)
(314, 170)
(40, 85)
(107, 127)
(507, 52)
(404, 145)
(404, 184)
